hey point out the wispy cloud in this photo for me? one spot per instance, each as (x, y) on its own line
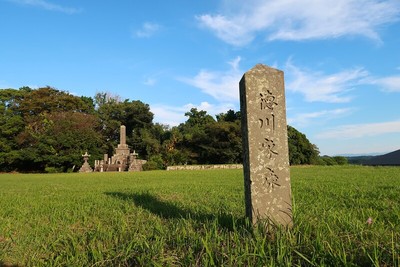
(152, 79)
(304, 119)
(229, 30)
(297, 20)
(388, 84)
(317, 86)
(361, 130)
(173, 115)
(47, 6)
(169, 115)
(147, 30)
(222, 85)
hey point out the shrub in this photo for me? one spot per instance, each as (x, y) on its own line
(154, 163)
(329, 161)
(341, 160)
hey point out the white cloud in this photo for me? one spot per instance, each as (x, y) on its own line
(222, 85)
(48, 6)
(168, 115)
(303, 119)
(173, 116)
(316, 86)
(388, 84)
(300, 19)
(235, 64)
(152, 79)
(228, 30)
(361, 130)
(147, 30)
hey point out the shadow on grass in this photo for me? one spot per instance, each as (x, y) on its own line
(169, 210)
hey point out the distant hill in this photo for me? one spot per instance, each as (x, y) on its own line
(358, 160)
(389, 159)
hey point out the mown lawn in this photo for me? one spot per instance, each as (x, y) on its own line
(196, 218)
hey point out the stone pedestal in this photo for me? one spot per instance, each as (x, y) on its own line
(265, 146)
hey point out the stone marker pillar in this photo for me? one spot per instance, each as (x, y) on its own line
(122, 135)
(265, 146)
(122, 148)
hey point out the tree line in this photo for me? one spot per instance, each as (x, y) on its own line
(47, 130)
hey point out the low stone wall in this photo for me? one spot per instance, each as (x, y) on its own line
(204, 167)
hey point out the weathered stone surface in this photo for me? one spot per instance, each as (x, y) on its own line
(122, 160)
(86, 167)
(136, 164)
(265, 146)
(122, 135)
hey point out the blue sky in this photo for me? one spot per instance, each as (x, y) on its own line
(341, 58)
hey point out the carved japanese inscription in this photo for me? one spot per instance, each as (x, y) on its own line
(265, 147)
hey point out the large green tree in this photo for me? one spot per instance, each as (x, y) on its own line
(192, 132)
(45, 128)
(57, 140)
(203, 140)
(221, 144)
(135, 115)
(301, 150)
(48, 99)
(58, 128)
(11, 124)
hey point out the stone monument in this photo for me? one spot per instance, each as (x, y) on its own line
(122, 160)
(265, 146)
(86, 167)
(122, 151)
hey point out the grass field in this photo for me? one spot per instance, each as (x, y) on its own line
(196, 218)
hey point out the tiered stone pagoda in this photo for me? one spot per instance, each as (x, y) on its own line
(122, 160)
